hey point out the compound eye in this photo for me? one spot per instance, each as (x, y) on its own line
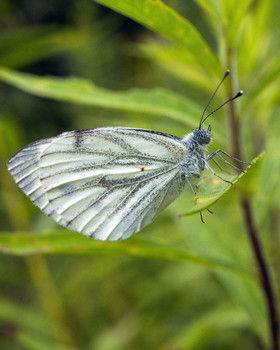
(201, 137)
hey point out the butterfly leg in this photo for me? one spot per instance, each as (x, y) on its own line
(214, 173)
(201, 217)
(191, 186)
(220, 167)
(194, 191)
(217, 153)
(228, 155)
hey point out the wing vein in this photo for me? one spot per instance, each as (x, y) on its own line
(116, 208)
(134, 219)
(89, 205)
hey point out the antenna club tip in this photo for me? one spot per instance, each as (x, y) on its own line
(240, 93)
(226, 73)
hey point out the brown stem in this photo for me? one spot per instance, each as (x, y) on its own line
(253, 234)
(264, 272)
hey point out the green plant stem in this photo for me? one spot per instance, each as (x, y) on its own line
(253, 234)
(50, 299)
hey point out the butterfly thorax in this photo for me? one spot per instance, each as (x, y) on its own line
(196, 144)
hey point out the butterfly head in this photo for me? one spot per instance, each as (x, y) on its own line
(202, 136)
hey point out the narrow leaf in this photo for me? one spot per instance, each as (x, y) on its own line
(37, 43)
(63, 242)
(156, 101)
(212, 189)
(165, 21)
(265, 80)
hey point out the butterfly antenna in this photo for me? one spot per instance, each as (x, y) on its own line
(217, 88)
(240, 93)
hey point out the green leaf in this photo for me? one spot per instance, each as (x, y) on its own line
(178, 63)
(30, 341)
(234, 16)
(209, 325)
(156, 101)
(264, 81)
(212, 189)
(81, 91)
(37, 43)
(23, 317)
(255, 44)
(63, 242)
(11, 199)
(213, 8)
(157, 16)
(267, 198)
(249, 296)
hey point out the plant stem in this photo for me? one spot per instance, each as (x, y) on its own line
(50, 299)
(264, 272)
(253, 234)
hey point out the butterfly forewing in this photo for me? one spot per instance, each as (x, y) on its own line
(106, 183)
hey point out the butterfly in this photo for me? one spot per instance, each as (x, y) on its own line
(111, 182)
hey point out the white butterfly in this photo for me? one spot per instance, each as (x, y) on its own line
(110, 182)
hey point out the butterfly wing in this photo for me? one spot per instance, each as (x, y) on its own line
(106, 183)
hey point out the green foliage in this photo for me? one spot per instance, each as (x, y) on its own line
(66, 243)
(209, 194)
(153, 102)
(179, 283)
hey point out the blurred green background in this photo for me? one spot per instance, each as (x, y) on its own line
(178, 284)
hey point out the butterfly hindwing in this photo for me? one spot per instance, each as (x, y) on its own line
(106, 183)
